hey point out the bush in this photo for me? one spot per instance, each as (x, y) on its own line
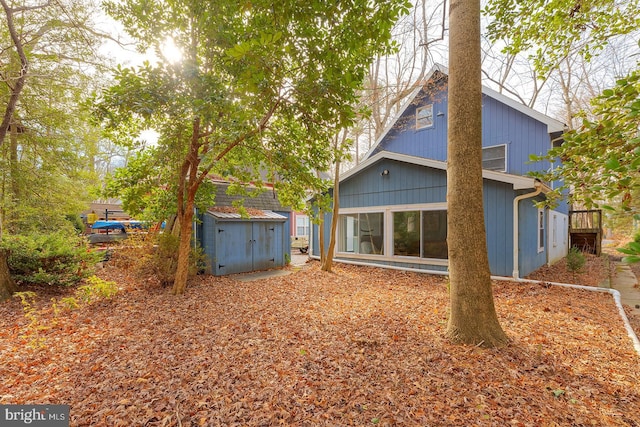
(575, 260)
(60, 258)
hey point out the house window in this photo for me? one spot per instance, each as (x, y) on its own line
(424, 117)
(540, 230)
(434, 234)
(302, 225)
(495, 158)
(420, 234)
(554, 230)
(362, 233)
(406, 233)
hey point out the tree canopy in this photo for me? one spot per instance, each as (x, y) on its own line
(262, 86)
(600, 158)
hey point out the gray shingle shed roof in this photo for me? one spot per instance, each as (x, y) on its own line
(267, 200)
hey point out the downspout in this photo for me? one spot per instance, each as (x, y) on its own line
(516, 253)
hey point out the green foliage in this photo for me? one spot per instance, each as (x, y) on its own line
(268, 84)
(601, 159)
(96, 289)
(47, 163)
(58, 258)
(34, 326)
(575, 260)
(553, 29)
(632, 249)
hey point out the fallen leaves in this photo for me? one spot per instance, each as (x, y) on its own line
(361, 346)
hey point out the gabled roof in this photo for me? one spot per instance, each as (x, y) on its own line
(518, 182)
(267, 200)
(553, 125)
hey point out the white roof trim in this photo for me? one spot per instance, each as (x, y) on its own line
(518, 182)
(553, 125)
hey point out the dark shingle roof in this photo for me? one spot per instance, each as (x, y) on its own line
(267, 200)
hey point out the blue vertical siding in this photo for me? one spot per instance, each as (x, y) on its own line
(501, 124)
(498, 220)
(408, 184)
(529, 257)
(405, 184)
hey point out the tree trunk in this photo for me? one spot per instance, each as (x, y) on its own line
(19, 82)
(184, 250)
(327, 263)
(7, 285)
(321, 235)
(473, 318)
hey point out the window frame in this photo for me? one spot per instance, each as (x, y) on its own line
(378, 248)
(504, 169)
(429, 117)
(302, 221)
(387, 244)
(541, 229)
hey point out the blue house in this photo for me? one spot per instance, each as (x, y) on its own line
(393, 207)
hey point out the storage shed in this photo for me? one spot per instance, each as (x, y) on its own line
(234, 244)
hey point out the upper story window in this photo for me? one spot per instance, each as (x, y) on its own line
(424, 117)
(495, 158)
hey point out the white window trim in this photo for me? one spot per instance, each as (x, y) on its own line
(541, 229)
(506, 155)
(418, 127)
(387, 243)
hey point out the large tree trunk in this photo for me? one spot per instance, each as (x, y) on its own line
(473, 318)
(7, 285)
(184, 251)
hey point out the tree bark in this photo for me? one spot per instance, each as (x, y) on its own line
(7, 285)
(184, 251)
(473, 318)
(19, 84)
(327, 262)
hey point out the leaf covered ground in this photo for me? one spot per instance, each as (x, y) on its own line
(357, 347)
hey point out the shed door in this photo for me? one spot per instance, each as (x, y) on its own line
(264, 245)
(233, 248)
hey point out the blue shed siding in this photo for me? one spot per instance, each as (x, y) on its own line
(208, 240)
(243, 245)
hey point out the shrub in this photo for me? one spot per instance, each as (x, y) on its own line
(575, 260)
(96, 289)
(58, 258)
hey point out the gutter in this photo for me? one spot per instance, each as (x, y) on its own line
(614, 293)
(516, 253)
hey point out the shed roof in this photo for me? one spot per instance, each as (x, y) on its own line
(253, 215)
(267, 200)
